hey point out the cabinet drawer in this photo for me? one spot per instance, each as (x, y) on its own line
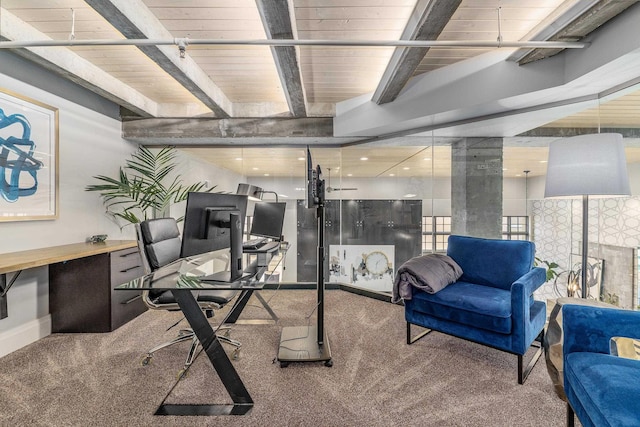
(125, 258)
(124, 275)
(126, 265)
(119, 299)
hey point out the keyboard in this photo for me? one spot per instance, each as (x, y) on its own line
(253, 243)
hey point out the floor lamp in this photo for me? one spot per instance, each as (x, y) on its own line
(587, 165)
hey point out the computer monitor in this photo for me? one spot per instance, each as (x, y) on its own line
(268, 219)
(215, 221)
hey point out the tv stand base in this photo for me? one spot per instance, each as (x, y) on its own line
(300, 344)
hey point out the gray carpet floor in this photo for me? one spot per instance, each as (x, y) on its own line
(376, 380)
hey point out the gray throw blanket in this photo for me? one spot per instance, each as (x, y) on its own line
(431, 273)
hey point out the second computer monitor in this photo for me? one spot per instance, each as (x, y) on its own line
(215, 221)
(268, 219)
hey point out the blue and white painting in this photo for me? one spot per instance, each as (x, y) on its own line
(28, 160)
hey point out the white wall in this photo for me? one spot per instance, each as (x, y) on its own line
(89, 144)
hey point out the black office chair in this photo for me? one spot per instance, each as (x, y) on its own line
(159, 243)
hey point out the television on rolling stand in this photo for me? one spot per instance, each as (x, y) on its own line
(310, 343)
(215, 221)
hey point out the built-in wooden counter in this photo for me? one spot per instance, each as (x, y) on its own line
(81, 281)
(16, 261)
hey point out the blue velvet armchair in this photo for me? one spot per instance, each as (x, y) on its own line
(491, 303)
(602, 389)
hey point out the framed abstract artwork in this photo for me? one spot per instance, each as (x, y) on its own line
(28, 159)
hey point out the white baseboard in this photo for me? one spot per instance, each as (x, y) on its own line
(24, 335)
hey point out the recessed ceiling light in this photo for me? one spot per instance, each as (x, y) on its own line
(543, 161)
(283, 195)
(238, 158)
(349, 174)
(427, 158)
(364, 158)
(266, 174)
(255, 169)
(301, 158)
(409, 195)
(406, 168)
(392, 174)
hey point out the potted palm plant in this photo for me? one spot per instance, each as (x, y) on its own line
(144, 188)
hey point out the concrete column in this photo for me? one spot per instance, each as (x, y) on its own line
(476, 187)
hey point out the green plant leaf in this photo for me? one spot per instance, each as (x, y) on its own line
(140, 190)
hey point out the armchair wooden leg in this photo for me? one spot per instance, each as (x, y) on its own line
(411, 340)
(570, 416)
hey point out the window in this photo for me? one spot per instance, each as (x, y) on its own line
(437, 229)
(435, 232)
(515, 227)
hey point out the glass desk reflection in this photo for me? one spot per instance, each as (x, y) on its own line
(183, 278)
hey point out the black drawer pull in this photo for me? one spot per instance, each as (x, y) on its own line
(129, 269)
(129, 254)
(129, 301)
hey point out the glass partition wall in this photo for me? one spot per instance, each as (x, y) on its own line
(391, 200)
(613, 223)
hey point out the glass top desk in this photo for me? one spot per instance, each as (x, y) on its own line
(182, 278)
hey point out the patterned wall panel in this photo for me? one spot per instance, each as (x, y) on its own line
(557, 232)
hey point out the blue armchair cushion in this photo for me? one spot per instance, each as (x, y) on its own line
(481, 307)
(602, 389)
(606, 386)
(491, 262)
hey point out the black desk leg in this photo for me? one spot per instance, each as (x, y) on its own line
(4, 288)
(240, 304)
(4, 312)
(242, 402)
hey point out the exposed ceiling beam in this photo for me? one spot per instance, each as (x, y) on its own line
(469, 91)
(565, 132)
(578, 27)
(276, 19)
(135, 21)
(427, 21)
(71, 66)
(216, 131)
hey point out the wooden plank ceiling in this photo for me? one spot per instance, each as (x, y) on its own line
(263, 82)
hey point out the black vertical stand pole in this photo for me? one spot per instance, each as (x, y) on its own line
(320, 274)
(302, 343)
(585, 245)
